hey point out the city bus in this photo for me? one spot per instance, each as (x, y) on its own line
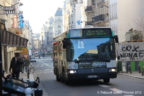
(86, 53)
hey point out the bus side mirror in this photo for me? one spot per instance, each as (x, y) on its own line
(116, 39)
(65, 43)
(76, 61)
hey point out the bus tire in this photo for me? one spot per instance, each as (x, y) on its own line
(55, 71)
(67, 81)
(106, 80)
(57, 77)
(63, 77)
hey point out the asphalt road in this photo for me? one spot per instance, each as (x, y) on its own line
(121, 86)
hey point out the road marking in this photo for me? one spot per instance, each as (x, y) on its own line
(105, 86)
(115, 90)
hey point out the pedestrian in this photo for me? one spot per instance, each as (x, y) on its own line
(129, 68)
(139, 68)
(143, 70)
(26, 65)
(39, 55)
(43, 54)
(16, 65)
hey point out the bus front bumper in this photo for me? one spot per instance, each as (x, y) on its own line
(90, 74)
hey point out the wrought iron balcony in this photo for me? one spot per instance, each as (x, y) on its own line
(89, 9)
(98, 18)
(89, 23)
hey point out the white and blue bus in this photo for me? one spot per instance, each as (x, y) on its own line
(87, 53)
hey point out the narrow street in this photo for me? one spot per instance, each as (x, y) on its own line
(122, 86)
(92, 39)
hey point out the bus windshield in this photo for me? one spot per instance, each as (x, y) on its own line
(91, 49)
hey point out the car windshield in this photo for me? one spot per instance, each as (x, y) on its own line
(99, 49)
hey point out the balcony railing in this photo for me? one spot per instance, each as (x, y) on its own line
(89, 9)
(98, 18)
(89, 23)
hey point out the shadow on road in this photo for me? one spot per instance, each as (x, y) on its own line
(81, 83)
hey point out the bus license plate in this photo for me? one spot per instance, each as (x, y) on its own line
(92, 76)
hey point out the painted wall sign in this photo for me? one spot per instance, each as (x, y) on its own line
(9, 10)
(130, 51)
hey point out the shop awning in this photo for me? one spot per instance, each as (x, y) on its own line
(11, 39)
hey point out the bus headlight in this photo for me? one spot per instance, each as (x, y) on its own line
(72, 71)
(112, 70)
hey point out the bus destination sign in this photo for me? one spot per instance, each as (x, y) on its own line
(96, 32)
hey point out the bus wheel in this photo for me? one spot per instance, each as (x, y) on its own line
(68, 82)
(106, 80)
(57, 77)
(63, 78)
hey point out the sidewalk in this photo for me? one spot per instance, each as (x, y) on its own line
(134, 74)
(32, 76)
(24, 76)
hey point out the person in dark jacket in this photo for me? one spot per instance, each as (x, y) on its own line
(143, 70)
(16, 65)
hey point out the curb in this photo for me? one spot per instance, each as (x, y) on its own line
(40, 86)
(34, 75)
(131, 76)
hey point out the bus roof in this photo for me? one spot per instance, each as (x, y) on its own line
(89, 28)
(64, 35)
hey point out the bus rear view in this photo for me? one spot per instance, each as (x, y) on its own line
(89, 54)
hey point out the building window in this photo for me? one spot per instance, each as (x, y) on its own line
(93, 2)
(59, 26)
(81, 1)
(75, 1)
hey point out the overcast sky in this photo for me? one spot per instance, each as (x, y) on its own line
(38, 11)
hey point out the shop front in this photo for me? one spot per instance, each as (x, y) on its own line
(9, 43)
(130, 56)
